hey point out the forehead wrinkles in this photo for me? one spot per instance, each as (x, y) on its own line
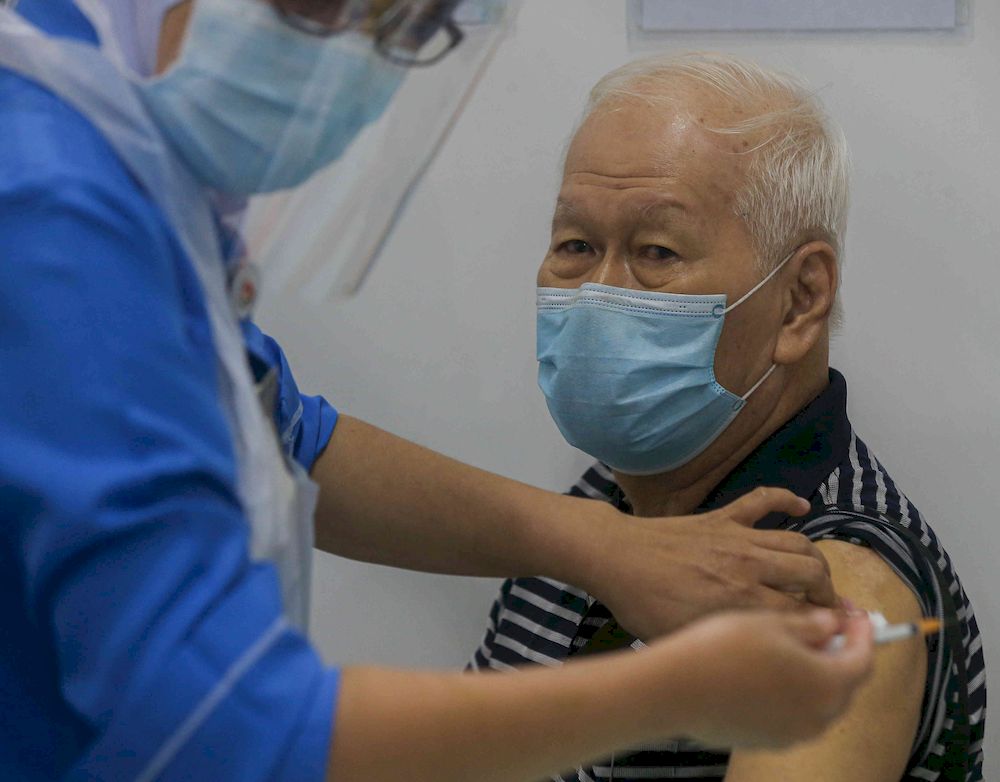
(631, 141)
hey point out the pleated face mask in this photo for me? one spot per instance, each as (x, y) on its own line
(629, 376)
(253, 105)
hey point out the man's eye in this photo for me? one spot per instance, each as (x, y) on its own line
(655, 252)
(575, 247)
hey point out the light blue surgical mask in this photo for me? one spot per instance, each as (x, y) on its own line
(629, 376)
(253, 105)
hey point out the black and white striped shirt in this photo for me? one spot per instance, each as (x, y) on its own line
(816, 455)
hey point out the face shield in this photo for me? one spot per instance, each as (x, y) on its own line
(321, 238)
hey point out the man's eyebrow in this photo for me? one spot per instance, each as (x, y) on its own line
(658, 204)
(565, 211)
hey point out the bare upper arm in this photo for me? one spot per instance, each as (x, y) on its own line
(872, 742)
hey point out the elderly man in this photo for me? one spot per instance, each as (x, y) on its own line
(684, 317)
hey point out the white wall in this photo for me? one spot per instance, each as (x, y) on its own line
(440, 345)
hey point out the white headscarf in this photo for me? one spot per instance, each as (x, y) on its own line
(129, 29)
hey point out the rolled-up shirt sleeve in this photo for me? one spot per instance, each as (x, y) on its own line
(305, 423)
(163, 640)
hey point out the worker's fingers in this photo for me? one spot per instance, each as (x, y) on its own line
(752, 507)
(796, 573)
(816, 627)
(855, 656)
(770, 599)
(790, 543)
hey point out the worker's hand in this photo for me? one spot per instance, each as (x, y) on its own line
(657, 575)
(764, 679)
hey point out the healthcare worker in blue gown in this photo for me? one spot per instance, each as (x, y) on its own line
(163, 479)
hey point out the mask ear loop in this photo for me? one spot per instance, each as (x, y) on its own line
(759, 383)
(746, 296)
(760, 284)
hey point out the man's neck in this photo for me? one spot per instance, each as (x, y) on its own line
(680, 492)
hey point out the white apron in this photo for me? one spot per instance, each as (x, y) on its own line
(277, 495)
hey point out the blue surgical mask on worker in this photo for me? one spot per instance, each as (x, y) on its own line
(629, 376)
(253, 105)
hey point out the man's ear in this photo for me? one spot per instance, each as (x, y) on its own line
(810, 291)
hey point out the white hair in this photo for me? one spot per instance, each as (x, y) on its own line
(797, 180)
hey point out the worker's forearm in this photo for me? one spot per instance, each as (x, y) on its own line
(516, 727)
(750, 680)
(386, 500)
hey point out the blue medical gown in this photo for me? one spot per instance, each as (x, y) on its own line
(136, 635)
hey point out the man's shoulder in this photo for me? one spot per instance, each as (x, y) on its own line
(862, 483)
(882, 545)
(877, 536)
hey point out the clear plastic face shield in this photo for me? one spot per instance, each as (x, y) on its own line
(369, 119)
